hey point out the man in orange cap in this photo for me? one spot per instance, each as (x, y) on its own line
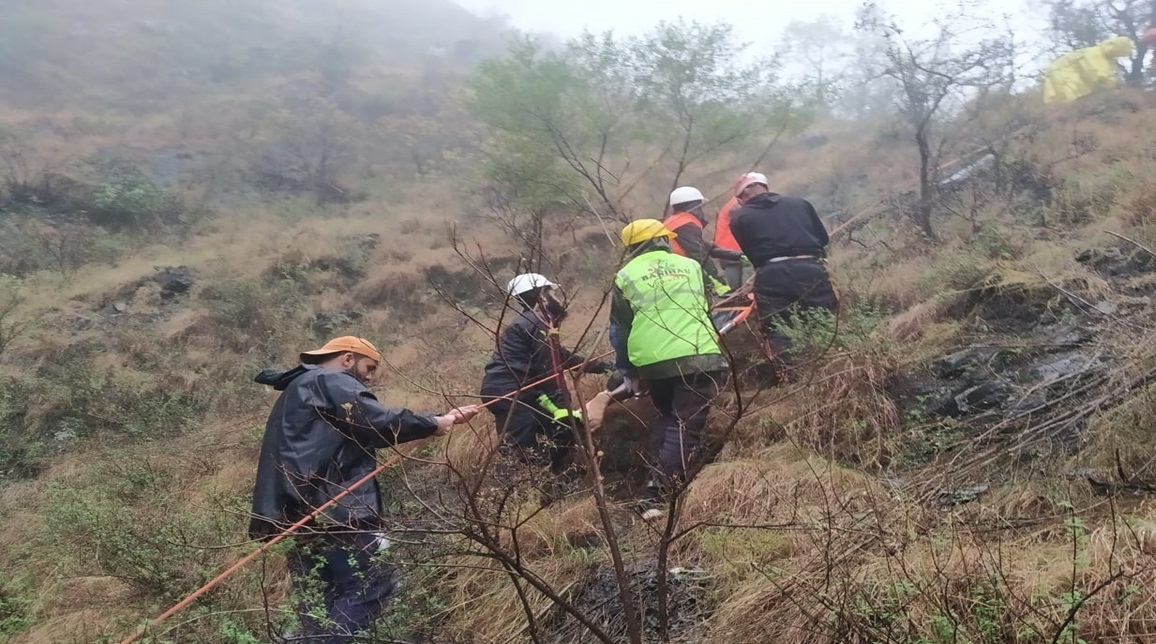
(320, 439)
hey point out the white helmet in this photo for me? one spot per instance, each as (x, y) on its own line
(750, 179)
(685, 194)
(527, 282)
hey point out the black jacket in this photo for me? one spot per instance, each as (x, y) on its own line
(698, 249)
(772, 225)
(523, 357)
(320, 438)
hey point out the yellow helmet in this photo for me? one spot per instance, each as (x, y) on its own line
(642, 230)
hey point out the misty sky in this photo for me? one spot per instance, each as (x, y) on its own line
(756, 20)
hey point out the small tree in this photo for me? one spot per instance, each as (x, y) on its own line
(601, 114)
(308, 146)
(820, 50)
(934, 79)
(696, 97)
(12, 323)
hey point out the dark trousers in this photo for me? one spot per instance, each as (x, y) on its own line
(683, 404)
(341, 588)
(784, 287)
(530, 433)
(735, 272)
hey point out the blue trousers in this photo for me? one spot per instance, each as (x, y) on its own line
(342, 588)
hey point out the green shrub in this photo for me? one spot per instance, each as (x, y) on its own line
(21, 455)
(815, 331)
(124, 520)
(255, 316)
(1089, 196)
(29, 245)
(990, 243)
(131, 200)
(956, 272)
(15, 606)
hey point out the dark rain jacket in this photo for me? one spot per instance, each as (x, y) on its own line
(523, 357)
(772, 225)
(320, 439)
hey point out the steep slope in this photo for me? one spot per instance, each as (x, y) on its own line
(958, 460)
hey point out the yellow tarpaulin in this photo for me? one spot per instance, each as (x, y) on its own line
(1079, 73)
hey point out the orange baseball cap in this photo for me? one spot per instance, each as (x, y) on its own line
(351, 343)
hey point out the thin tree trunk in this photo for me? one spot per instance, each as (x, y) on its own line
(926, 188)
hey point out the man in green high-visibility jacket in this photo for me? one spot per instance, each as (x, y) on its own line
(662, 333)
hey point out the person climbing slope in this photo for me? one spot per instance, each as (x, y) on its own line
(666, 344)
(533, 421)
(321, 438)
(786, 242)
(686, 221)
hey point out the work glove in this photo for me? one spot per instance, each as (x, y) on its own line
(746, 260)
(719, 287)
(561, 415)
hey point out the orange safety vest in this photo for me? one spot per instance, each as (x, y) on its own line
(676, 221)
(723, 238)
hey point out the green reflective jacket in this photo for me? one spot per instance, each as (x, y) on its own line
(671, 315)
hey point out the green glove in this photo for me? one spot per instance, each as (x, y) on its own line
(719, 287)
(560, 414)
(744, 259)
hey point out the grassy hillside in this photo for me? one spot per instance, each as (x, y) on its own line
(964, 457)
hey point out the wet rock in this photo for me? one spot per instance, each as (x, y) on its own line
(333, 323)
(982, 397)
(1107, 308)
(956, 364)
(1068, 335)
(1062, 367)
(1099, 256)
(174, 281)
(948, 498)
(346, 267)
(1033, 401)
(1113, 262)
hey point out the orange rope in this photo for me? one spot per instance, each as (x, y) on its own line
(184, 603)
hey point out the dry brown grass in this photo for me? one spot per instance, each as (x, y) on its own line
(777, 484)
(1123, 437)
(483, 605)
(839, 406)
(979, 581)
